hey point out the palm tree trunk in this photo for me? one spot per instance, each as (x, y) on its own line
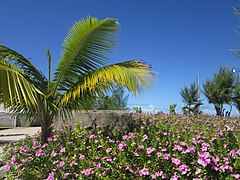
(46, 129)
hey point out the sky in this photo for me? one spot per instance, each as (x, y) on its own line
(177, 37)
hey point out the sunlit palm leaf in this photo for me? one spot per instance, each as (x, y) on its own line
(15, 88)
(24, 65)
(132, 74)
(85, 49)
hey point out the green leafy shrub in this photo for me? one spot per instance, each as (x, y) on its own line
(160, 147)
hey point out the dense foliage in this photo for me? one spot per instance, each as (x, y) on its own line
(219, 90)
(190, 97)
(113, 100)
(156, 147)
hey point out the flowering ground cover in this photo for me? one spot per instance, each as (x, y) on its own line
(154, 147)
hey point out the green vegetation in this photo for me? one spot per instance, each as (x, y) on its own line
(219, 90)
(172, 108)
(115, 100)
(157, 147)
(81, 75)
(190, 97)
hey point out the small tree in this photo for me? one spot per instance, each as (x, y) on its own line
(191, 99)
(236, 94)
(219, 90)
(172, 108)
(115, 100)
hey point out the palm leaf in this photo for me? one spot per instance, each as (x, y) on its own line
(24, 65)
(15, 88)
(134, 75)
(84, 50)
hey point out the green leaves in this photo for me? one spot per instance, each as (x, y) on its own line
(23, 64)
(80, 74)
(15, 88)
(219, 90)
(132, 74)
(84, 50)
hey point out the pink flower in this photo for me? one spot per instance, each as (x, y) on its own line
(108, 149)
(136, 154)
(158, 174)
(66, 175)
(159, 154)
(175, 177)
(225, 167)
(14, 159)
(198, 171)
(166, 156)
(125, 137)
(86, 172)
(184, 144)
(50, 176)
(8, 166)
(39, 153)
(81, 157)
(176, 161)
(121, 146)
(141, 147)
(184, 168)
(145, 137)
(233, 153)
(150, 150)
(165, 133)
(203, 158)
(23, 149)
(73, 163)
(92, 136)
(237, 176)
(62, 150)
(132, 135)
(62, 164)
(177, 147)
(194, 141)
(53, 154)
(144, 172)
(98, 166)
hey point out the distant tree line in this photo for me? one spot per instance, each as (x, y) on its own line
(223, 88)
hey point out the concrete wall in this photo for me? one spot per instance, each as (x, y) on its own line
(7, 120)
(102, 118)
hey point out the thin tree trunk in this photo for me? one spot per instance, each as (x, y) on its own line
(46, 129)
(218, 111)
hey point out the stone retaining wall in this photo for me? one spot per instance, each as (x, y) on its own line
(103, 118)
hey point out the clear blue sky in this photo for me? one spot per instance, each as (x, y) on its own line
(175, 37)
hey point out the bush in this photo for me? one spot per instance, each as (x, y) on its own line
(163, 147)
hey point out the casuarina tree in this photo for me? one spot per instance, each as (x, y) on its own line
(190, 98)
(219, 90)
(81, 74)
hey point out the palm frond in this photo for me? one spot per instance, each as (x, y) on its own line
(24, 65)
(134, 75)
(15, 88)
(84, 50)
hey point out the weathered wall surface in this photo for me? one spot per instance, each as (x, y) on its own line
(102, 118)
(7, 120)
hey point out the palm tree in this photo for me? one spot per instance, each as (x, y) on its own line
(81, 74)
